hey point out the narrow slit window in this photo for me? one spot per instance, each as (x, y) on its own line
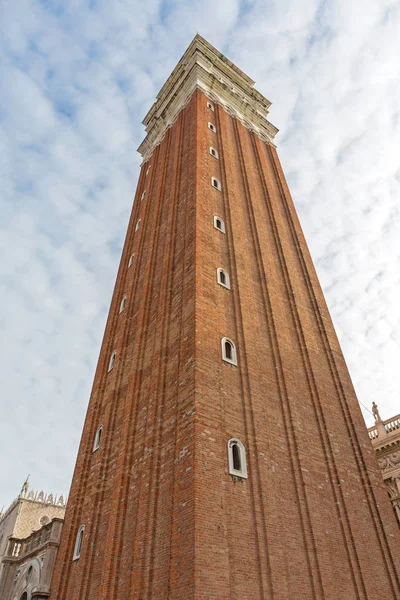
(214, 152)
(131, 259)
(212, 127)
(97, 438)
(223, 278)
(122, 305)
(237, 458)
(112, 361)
(148, 170)
(143, 195)
(228, 351)
(219, 224)
(210, 105)
(78, 543)
(216, 183)
(137, 225)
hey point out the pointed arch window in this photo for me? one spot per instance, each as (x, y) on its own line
(223, 278)
(210, 105)
(148, 170)
(137, 225)
(228, 351)
(131, 259)
(237, 458)
(97, 438)
(112, 361)
(143, 195)
(78, 543)
(122, 305)
(212, 127)
(219, 224)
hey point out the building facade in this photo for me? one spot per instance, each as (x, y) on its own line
(30, 531)
(385, 438)
(28, 563)
(224, 455)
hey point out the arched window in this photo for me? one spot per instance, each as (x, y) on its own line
(148, 170)
(78, 543)
(210, 105)
(97, 438)
(219, 224)
(216, 183)
(112, 361)
(137, 225)
(29, 574)
(237, 458)
(214, 152)
(131, 259)
(212, 127)
(228, 351)
(143, 195)
(122, 305)
(223, 278)
(24, 596)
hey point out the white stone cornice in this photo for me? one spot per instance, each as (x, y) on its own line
(203, 67)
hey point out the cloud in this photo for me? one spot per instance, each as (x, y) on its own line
(77, 77)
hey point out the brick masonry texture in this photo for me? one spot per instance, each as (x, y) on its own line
(163, 518)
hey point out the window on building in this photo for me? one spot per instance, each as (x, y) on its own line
(223, 278)
(214, 152)
(137, 225)
(148, 170)
(216, 183)
(212, 127)
(24, 596)
(122, 305)
(210, 105)
(237, 458)
(29, 574)
(78, 543)
(112, 361)
(228, 351)
(219, 224)
(97, 438)
(131, 259)
(143, 195)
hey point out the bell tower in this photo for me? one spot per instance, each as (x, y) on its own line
(224, 455)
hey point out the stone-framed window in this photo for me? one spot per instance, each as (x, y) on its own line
(214, 152)
(219, 224)
(228, 351)
(216, 183)
(212, 127)
(97, 438)
(223, 278)
(237, 458)
(112, 361)
(78, 543)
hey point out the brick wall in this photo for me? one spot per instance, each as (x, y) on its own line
(163, 518)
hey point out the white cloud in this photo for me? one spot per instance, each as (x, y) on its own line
(76, 82)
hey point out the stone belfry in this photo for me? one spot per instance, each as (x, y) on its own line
(224, 455)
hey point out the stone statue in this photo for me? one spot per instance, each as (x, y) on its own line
(375, 412)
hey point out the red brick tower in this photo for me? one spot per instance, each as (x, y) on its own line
(232, 459)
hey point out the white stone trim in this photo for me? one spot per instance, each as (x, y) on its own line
(203, 67)
(227, 283)
(242, 472)
(233, 360)
(222, 228)
(214, 153)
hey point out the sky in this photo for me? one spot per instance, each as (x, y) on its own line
(76, 79)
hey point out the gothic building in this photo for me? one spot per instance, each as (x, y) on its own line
(385, 438)
(224, 455)
(30, 531)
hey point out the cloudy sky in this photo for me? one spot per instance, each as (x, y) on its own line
(76, 79)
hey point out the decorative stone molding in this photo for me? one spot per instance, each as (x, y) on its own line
(203, 67)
